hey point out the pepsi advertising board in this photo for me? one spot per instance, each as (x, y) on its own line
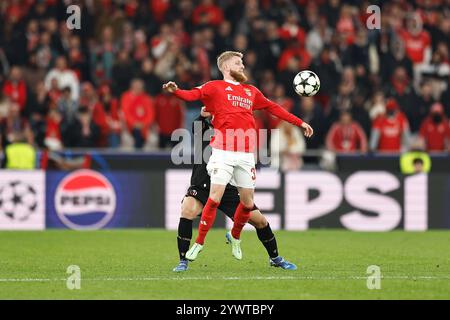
(91, 200)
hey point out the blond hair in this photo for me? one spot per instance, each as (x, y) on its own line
(224, 56)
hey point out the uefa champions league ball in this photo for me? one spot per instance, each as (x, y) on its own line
(306, 83)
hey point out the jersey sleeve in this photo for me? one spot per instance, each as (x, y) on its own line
(361, 137)
(207, 91)
(261, 102)
(188, 95)
(377, 124)
(405, 123)
(423, 129)
(427, 39)
(202, 93)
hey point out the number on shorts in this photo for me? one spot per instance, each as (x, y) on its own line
(253, 174)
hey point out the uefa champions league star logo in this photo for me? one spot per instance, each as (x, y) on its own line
(18, 200)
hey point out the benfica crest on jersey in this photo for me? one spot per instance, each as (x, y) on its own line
(248, 92)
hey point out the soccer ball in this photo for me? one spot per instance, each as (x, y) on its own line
(17, 200)
(306, 83)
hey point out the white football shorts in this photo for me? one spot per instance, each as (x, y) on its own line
(236, 168)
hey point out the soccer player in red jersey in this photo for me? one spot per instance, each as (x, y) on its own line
(197, 196)
(231, 102)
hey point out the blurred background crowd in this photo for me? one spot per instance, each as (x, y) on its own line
(382, 90)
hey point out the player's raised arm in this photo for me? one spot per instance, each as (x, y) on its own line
(261, 102)
(186, 95)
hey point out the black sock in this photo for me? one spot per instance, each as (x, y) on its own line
(184, 236)
(266, 236)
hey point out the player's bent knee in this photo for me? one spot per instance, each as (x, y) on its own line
(189, 208)
(188, 213)
(246, 197)
(258, 220)
(262, 223)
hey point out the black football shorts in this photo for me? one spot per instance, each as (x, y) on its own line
(228, 205)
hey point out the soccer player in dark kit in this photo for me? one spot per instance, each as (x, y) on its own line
(197, 196)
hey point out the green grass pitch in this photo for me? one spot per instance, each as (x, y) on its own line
(137, 264)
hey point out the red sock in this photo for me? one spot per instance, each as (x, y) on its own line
(241, 217)
(207, 220)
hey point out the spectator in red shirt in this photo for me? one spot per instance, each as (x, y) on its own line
(417, 41)
(159, 9)
(53, 138)
(294, 50)
(290, 30)
(389, 129)
(345, 26)
(54, 93)
(346, 135)
(435, 129)
(15, 10)
(207, 13)
(113, 116)
(180, 34)
(418, 46)
(15, 88)
(130, 8)
(169, 117)
(139, 113)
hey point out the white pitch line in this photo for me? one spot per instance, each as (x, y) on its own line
(181, 278)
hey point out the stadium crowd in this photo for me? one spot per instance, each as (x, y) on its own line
(381, 89)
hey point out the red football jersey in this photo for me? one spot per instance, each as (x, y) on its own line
(17, 92)
(415, 45)
(435, 135)
(391, 131)
(232, 104)
(346, 138)
(169, 113)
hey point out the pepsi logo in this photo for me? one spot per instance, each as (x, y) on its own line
(85, 200)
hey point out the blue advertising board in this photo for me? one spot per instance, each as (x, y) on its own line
(90, 200)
